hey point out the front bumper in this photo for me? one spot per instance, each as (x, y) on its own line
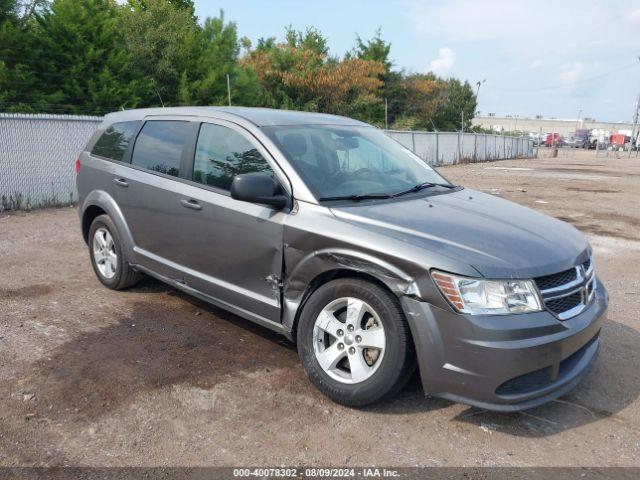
(504, 362)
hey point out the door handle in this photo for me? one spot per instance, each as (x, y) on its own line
(121, 182)
(192, 204)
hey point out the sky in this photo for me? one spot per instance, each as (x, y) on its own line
(556, 58)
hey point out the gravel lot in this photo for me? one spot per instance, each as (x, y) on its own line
(151, 376)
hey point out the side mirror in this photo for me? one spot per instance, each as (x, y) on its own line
(258, 187)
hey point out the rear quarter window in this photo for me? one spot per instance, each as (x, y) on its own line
(114, 141)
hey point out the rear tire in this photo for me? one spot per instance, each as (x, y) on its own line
(354, 342)
(107, 259)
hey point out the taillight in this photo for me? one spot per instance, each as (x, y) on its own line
(78, 165)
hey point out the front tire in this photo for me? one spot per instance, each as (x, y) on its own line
(354, 342)
(105, 251)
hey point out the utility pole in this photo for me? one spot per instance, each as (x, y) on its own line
(386, 114)
(155, 87)
(462, 116)
(634, 132)
(578, 121)
(229, 89)
(478, 84)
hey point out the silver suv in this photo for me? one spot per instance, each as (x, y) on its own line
(326, 230)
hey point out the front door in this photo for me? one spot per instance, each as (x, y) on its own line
(230, 250)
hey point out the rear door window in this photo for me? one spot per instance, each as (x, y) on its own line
(114, 141)
(159, 146)
(223, 153)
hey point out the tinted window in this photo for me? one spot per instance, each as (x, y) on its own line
(114, 141)
(159, 146)
(221, 154)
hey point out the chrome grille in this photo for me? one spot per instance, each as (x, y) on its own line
(569, 292)
(557, 279)
(563, 304)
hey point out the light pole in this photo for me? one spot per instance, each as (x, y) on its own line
(578, 122)
(386, 114)
(478, 84)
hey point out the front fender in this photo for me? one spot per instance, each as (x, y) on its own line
(102, 199)
(305, 270)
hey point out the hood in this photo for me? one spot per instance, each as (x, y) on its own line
(500, 239)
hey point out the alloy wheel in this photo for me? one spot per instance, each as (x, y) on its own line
(104, 253)
(349, 340)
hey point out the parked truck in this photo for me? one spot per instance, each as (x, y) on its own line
(599, 139)
(580, 138)
(619, 140)
(554, 140)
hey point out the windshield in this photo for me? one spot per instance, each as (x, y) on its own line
(338, 161)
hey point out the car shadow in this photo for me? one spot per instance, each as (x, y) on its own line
(161, 342)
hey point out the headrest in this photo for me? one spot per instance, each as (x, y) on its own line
(295, 144)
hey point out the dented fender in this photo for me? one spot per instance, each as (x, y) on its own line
(306, 268)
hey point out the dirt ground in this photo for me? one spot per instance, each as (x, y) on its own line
(152, 377)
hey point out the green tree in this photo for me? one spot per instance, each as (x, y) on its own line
(188, 63)
(375, 49)
(300, 74)
(74, 61)
(460, 101)
(416, 99)
(94, 56)
(311, 40)
(218, 51)
(8, 10)
(163, 40)
(18, 78)
(20, 11)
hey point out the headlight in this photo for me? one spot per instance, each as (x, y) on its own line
(488, 297)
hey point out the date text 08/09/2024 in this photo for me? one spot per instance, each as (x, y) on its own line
(366, 472)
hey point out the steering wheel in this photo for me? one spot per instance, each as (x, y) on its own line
(362, 172)
(364, 185)
(357, 173)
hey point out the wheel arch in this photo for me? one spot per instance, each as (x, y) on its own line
(98, 203)
(89, 214)
(321, 267)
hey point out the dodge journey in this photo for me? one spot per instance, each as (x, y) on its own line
(326, 230)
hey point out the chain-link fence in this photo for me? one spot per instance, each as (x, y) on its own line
(447, 148)
(37, 154)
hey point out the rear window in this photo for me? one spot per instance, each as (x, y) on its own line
(114, 141)
(159, 146)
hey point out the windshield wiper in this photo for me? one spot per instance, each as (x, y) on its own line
(357, 198)
(421, 186)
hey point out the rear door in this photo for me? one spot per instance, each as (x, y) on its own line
(147, 192)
